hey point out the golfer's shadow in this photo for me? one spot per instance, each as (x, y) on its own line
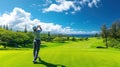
(49, 64)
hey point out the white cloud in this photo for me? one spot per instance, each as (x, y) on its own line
(84, 2)
(73, 12)
(18, 18)
(93, 3)
(65, 5)
(47, 2)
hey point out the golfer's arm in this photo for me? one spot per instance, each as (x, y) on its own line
(40, 28)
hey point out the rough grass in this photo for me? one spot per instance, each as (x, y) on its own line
(71, 54)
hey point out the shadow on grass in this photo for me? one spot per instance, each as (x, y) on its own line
(49, 64)
(102, 47)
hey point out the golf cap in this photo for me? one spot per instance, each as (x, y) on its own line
(34, 27)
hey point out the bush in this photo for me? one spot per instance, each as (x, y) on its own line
(43, 38)
(59, 39)
(68, 38)
(20, 38)
(31, 37)
(4, 44)
(49, 39)
(114, 43)
(86, 38)
(73, 38)
(81, 39)
(15, 39)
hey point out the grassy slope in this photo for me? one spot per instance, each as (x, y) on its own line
(72, 54)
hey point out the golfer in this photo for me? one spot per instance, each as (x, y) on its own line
(37, 42)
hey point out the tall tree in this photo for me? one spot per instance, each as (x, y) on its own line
(118, 28)
(48, 34)
(96, 35)
(11, 28)
(49, 37)
(113, 31)
(0, 26)
(6, 27)
(25, 29)
(104, 33)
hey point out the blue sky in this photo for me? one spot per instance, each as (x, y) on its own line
(78, 16)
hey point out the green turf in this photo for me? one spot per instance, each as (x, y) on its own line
(71, 54)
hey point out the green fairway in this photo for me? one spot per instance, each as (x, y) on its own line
(71, 54)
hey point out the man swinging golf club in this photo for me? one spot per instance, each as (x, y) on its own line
(37, 42)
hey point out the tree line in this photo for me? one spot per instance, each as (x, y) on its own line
(24, 38)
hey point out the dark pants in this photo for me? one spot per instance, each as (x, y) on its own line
(36, 49)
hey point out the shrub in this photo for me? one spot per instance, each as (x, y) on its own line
(20, 38)
(73, 38)
(4, 44)
(59, 39)
(31, 37)
(68, 38)
(86, 38)
(114, 43)
(81, 39)
(14, 38)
